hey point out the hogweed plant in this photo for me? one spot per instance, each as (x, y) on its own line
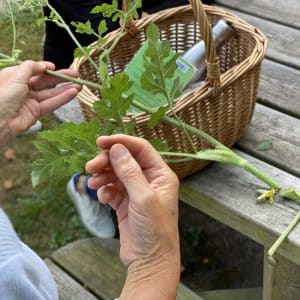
(69, 146)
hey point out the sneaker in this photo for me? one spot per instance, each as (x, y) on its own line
(95, 217)
(37, 126)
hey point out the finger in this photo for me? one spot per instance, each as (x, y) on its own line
(44, 81)
(98, 164)
(110, 195)
(97, 181)
(140, 149)
(50, 93)
(29, 68)
(57, 101)
(115, 199)
(128, 171)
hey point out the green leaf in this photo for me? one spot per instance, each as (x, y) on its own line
(130, 126)
(291, 194)
(265, 145)
(65, 150)
(41, 21)
(115, 94)
(79, 53)
(85, 28)
(102, 27)
(159, 145)
(156, 116)
(106, 9)
(160, 66)
(133, 7)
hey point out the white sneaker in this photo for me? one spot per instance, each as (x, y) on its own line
(95, 217)
(37, 126)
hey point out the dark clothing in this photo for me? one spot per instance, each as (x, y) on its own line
(59, 47)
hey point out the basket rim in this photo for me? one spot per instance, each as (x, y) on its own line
(87, 97)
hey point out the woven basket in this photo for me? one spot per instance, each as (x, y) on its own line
(222, 106)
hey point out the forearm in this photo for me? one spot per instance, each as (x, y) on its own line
(153, 280)
(5, 133)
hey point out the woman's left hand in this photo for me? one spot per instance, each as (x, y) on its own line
(25, 94)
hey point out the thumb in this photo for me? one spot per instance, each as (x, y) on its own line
(128, 171)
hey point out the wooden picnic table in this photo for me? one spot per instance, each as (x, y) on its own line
(224, 192)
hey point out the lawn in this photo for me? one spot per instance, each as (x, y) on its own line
(45, 219)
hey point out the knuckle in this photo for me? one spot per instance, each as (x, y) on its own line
(129, 168)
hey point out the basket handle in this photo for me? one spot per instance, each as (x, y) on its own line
(211, 58)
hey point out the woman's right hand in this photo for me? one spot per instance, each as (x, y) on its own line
(134, 180)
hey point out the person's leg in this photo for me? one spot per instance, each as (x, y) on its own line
(95, 217)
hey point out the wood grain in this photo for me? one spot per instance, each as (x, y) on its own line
(282, 131)
(280, 87)
(281, 281)
(228, 194)
(96, 264)
(68, 288)
(285, 12)
(284, 42)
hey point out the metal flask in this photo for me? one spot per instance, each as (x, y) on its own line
(222, 32)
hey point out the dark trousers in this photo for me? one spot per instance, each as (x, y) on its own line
(59, 47)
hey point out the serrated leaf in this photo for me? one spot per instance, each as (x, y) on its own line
(65, 150)
(106, 9)
(156, 116)
(85, 28)
(102, 27)
(265, 145)
(115, 94)
(160, 66)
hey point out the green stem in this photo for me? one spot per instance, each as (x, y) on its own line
(282, 237)
(202, 135)
(262, 176)
(73, 79)
(64, 25)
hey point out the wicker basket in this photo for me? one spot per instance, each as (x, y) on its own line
(223, 105)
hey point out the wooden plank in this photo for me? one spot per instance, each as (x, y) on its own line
(285, 12)
(280, 87)
(96, 264)
(68, 288)
(282, 131)
(228, 194)
(284, 42)
(281, 281)
(231, 294)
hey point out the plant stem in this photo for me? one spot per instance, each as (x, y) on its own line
(282, 237)
(64, 25)
(262, 176)
(73, 79)
(209, 139)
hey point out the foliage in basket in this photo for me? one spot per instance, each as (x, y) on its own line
(66, 148)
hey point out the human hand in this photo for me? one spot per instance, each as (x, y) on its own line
(134, 180)
(25, 93)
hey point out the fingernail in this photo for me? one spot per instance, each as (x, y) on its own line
(118, 151)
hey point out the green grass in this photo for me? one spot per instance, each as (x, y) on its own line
(45, 219)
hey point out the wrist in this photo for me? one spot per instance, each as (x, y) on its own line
(153, 278)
